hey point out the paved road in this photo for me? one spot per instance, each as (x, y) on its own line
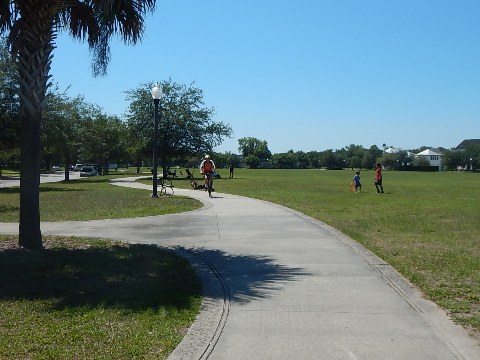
(44, 178)
(281, 285)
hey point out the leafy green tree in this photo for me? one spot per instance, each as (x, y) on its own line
(452, 159)
(354, 162)
(375, 152)
(253, 146)
(252, 161)
(389, 160)
(313, 159)
(368, 159)
(288, 160)
(32, 27)
(101, 139)
(354, 155)
(186, 124)
(60, 127)
(472, 156)
(303, 161)
(9, 108)
(328, 158)
(139, 120)
(421, 161)
(225, 159)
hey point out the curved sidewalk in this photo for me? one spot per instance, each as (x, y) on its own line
(281, 285)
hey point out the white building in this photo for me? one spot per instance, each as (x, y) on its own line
(434, 158)
(392, 150)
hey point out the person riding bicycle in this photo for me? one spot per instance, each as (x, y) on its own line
(207, 167)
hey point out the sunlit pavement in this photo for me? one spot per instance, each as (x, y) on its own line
(6, 181)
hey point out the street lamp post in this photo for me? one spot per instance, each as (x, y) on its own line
(156, 95)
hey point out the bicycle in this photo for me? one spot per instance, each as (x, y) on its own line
(209, 183)
(166, 187)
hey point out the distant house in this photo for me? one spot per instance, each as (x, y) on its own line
(433, 158)
(392, 150)
(466, 143)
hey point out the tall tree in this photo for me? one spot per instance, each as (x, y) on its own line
(60, 127)
(101, 139)
(253, 146)
(32, 26)
(186, 124)
(9, 107)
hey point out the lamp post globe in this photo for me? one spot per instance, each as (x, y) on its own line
(156, 93)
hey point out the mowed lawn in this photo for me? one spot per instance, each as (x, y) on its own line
(427, 225)
(93, 198)
(92, 299)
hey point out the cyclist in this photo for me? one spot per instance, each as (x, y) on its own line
(207, 167)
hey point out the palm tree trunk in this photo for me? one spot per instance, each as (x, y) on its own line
(33, 46)
(30, 236)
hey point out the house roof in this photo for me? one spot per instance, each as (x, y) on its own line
(428, 152)
(465, 143)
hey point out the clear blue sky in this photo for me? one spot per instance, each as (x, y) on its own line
(305, 74)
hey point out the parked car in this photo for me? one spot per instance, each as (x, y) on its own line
(55, 168)
(88, 171)
(98, 168)
(77, 167)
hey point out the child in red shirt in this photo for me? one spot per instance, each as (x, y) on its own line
(378, 178)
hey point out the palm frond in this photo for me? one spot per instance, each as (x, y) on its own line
(5, 15)
(96, 21)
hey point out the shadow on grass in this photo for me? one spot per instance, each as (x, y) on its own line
(42, 189)
(132, 277)
(248, 278)
(10, 190)
(90, 180)
(8, 208)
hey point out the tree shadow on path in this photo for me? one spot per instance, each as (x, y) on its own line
(132, 276)
(247, 277)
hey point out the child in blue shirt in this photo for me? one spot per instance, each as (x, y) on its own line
(356, 182)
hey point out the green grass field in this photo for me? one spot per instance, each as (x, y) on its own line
(93, 198)
(90, 299)
(427, 225)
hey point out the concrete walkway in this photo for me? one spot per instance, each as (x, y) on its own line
(281, 285)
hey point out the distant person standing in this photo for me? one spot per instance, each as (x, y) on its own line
(356, 182)
(378, 178)
(231, 171)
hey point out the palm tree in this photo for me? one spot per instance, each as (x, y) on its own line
(32, 27)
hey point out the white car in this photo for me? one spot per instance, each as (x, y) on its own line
(88, 171)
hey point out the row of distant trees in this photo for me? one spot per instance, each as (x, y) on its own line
(256, 154)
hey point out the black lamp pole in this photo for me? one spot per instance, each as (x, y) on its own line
(155, 148)
(156, 95)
